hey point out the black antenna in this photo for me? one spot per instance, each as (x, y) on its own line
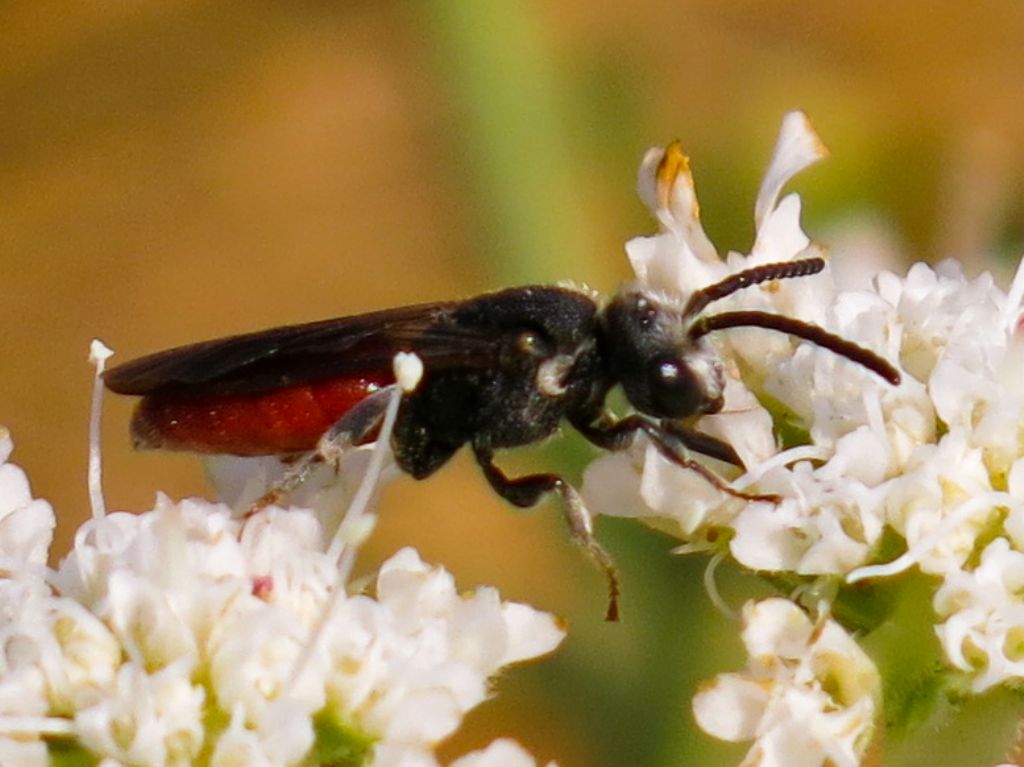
(805, 330)
(752, 276)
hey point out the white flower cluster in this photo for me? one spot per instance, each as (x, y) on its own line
(181, 636)
(807, 698)
(938, 459)
(840, 414)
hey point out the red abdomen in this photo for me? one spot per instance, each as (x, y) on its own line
(279, 421)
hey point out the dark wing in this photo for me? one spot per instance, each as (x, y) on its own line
(363, 344)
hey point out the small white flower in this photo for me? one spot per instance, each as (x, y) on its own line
(501, 753)
(151, 719)
(412, 663)
(183, 631)
(826, 524)
(822, 525)
(983, 634)
(80, 656)
(807, 698)
(938, 460)
(937, 479)
(26, 523)
(240, 746)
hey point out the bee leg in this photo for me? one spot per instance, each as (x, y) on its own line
(527, 491)
(350, 430)
(671, 439)
(704, 444)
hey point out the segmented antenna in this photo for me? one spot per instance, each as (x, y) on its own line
(779, 322)
(800, 329)
(752, 276)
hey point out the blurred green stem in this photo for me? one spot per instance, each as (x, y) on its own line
(518, 143)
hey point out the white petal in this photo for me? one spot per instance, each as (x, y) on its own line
(665, 184)
(780, 237)
(27, 532)
(743, 423)
(14, 489)
(6, 444)
(19, 753)
(611, 486)
(731, 707)
(797, 147)
(765, 538)
(402, 755)
(501, 753)
(413, 591)
(667, 263)
(677, 493)
(531, 633)
(776, 627)
(419, 716)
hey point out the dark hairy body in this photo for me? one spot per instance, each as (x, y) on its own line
(500, 370)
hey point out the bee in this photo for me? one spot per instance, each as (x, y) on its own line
(501, 370)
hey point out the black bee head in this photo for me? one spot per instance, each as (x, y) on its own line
(664, 370)
(655, 348)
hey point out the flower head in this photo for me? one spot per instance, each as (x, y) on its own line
(862, 469)
(807, 698)
(831, 409)
(186, 630)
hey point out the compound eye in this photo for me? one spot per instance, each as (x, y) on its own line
(675, 390)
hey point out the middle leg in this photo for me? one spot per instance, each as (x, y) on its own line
(528, 491)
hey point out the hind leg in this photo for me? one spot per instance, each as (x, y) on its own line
(350, 430)
(529, 490)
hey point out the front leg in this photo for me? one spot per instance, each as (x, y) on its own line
(528, 491)
(611, 434)
(671, 439)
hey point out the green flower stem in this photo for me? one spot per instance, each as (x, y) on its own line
(516, 137)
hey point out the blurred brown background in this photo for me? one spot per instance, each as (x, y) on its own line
(172, 171)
